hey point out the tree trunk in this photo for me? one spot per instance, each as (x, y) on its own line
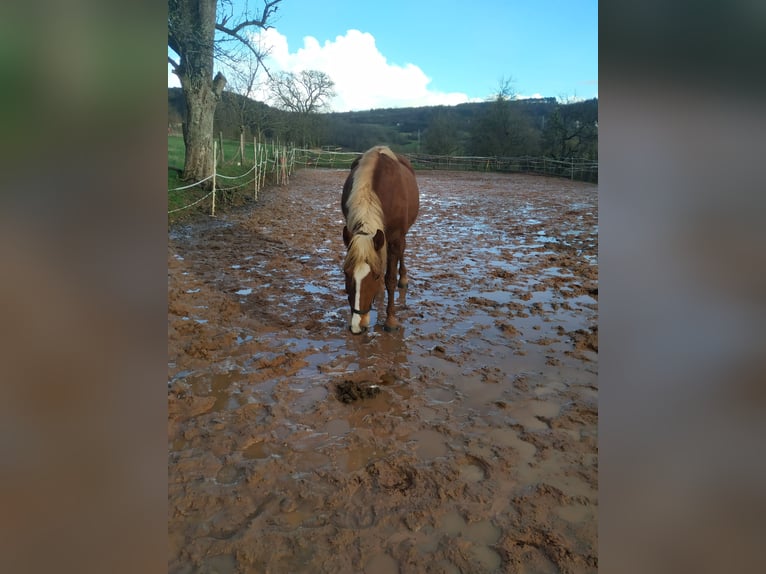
(195, 30)
(198, 131)
(202, 97)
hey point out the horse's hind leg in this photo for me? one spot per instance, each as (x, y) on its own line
(403, 279)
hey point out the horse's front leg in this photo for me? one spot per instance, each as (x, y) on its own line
(391, 322)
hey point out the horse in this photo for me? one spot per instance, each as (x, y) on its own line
(380, 202)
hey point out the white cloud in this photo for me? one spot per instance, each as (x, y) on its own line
(363, 77)
(172, 78)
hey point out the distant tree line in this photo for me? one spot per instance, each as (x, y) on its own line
(502, 127)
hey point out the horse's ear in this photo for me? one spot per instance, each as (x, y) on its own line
(346, 236)
(378, 240)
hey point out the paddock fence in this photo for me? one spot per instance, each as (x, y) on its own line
(573, 168)
(268, 159)
(280, 161)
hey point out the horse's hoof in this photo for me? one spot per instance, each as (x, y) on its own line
(390, 328)
(402, 285)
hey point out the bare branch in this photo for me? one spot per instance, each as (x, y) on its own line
(269, 9)
(173, 42)
(239, 37)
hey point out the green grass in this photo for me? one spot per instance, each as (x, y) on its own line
(176, 151)
(231, 191)
(178, 199)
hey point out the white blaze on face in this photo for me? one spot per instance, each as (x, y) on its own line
(359, 274)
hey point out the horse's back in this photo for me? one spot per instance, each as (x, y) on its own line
(393, 181)
(396, 186)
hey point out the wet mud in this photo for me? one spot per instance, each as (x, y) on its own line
(465, 442)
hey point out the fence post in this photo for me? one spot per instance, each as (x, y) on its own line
(283, 166)
(275, 171)
(255, 169)
(215, 157)
(265, 161)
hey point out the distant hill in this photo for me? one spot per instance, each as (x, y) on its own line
(520, 127)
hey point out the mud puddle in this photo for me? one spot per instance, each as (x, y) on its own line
(465, 442)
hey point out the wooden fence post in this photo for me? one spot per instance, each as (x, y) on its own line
(255, 169)
(265, 161)
(285, 178)
(215, 157)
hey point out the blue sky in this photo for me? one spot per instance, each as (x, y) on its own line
(427, 52)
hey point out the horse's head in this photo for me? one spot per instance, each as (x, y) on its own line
(364, 267)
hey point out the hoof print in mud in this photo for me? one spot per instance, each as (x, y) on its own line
(350, 391)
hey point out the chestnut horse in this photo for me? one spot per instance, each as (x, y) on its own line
(380, 202)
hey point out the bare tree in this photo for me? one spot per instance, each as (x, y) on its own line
(501, 130)
(505, 90)
(245, 82)
(199, 31)
(304, 94)
(307, 92)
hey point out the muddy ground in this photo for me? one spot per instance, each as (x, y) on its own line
(465, 442)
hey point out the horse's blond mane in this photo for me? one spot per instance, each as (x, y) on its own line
(365, 215)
